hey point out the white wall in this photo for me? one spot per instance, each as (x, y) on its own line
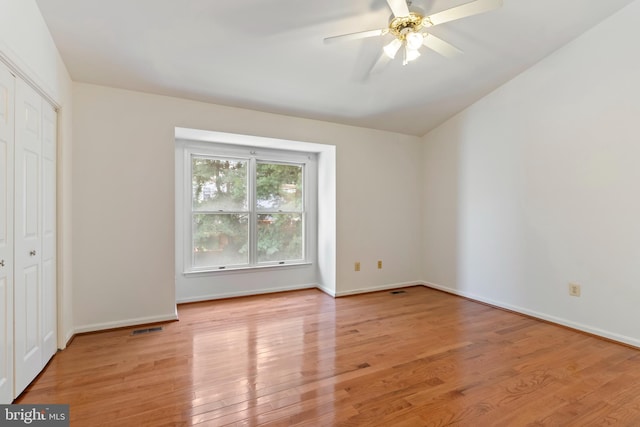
(27, 47)
(26, 43)
(536, 185)
(123, 184)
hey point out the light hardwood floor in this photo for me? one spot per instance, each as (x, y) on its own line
(422, 357)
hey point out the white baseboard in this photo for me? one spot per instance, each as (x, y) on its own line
(330, 292)
(125, 323)
(543, 316)
(67, 337)
(377, 288)
(536, 314)
(245, 293)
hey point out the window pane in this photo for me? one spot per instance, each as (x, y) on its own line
(279, 187)
(220, 239)
(219, 184)
(280, 237)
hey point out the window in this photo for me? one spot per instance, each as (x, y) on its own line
(247, 207)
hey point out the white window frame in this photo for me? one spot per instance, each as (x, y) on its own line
(253, 155)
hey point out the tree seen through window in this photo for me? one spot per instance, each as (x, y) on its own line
(223, 221)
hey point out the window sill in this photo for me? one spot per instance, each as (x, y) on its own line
(237, 270)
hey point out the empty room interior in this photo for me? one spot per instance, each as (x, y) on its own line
(375, 212)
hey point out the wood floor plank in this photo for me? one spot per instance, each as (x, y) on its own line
(302, 358)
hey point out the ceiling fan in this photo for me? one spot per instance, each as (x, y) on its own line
(409, 27)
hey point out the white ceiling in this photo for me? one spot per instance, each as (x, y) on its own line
(269, 55)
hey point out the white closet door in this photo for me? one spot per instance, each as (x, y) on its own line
(28, 302)
(49, 317)
(7, 83)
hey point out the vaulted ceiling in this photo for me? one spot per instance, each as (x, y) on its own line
(269, 55)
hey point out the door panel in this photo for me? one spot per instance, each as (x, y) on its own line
(28, 303)
(30, 232)
(6, 339)
(6, 234)
(29, 292)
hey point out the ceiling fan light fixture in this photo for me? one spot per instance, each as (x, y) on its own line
(392, 48)
(410, 54)
(414, 40)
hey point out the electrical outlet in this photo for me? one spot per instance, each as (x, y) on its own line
(357, 266)
(574, 289)
(380, 265)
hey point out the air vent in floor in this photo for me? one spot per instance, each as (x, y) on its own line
(397, 292)
(146, 330)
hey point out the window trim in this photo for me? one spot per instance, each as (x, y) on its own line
(192, 148)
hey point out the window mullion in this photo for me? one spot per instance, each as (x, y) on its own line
(253, 216)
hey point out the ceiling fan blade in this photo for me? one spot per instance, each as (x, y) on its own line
(440, 46)
(356, 36)
(398, 7)
(380, 64)
(469, 9)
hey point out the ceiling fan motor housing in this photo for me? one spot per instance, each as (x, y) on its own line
(400, 26)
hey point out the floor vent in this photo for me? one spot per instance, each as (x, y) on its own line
(146, 330)
(397, 292)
